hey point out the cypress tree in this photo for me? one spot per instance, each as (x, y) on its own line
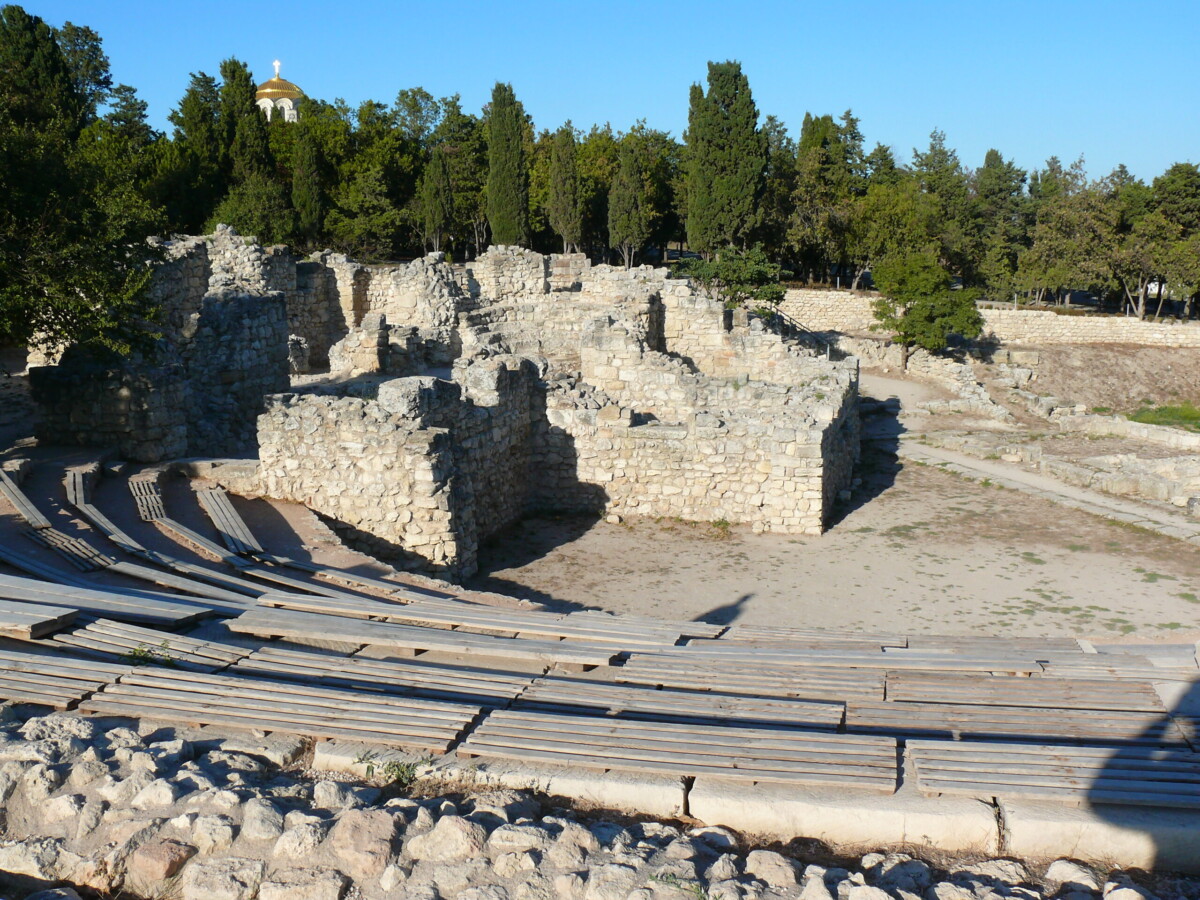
(435, 199)
(628, 228)
(564, 208)
(726, 160)
(508, 180)
(307, 196)
(246, 145)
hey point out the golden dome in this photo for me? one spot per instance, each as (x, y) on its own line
(278, 89)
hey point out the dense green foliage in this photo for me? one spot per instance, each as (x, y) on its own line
(740, 278)
(84, 180)
(508, 178)
(1185, 416)
(918, 305)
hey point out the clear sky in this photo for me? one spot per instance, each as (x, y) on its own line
(1114, 81)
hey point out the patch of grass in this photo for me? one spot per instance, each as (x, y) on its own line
(1152, 577)
(1078, 548)
(145, 655)
(1030, 556)
(1189, 597)
(866, 529)
(1185, 416)
(721, 527)
(1102, 410)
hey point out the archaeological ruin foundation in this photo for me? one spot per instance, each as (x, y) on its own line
(459, 399)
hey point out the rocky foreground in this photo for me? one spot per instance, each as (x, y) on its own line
(97, 807)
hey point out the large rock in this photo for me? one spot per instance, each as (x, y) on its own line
(518, 838)
(299, 840)
(363, 841)
(304, 884)
(232, 878)
(610, 882)
(452, 838)
(773, 869)
(36, 858)
(211, 834)
(261, 821)
(156, 861)
(58, 727)
(1071, 876)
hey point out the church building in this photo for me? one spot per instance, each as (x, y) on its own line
(278, 95)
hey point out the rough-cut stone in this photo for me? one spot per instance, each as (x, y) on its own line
(610, 882)
(156, 861)
(156, 794)
(299, 841)
(518, 838)
(212, 834)
(452, 838)
(363, 841)
(304, 884)
(1065, 874)
(261, 821)
(232, 878)
(773, 869)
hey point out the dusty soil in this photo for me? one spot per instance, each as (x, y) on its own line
(1123, 379)
(928, 553)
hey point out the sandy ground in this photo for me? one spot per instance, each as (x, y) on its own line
(922, 551)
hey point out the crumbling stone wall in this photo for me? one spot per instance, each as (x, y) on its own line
(224, 346)
(422, 471)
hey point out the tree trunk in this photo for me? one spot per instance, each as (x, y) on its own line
(904, 354)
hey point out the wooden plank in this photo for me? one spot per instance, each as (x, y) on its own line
(214, 597)
(114, 605)
(1009, 723)
(21, 503)
(282, 623)
(776, 634)
(702, 651)
(109, 530)
(147, 496)
(1115, 694)
(344, 577)
(229, 524)
(79, 553)
(26, 621)
(60, 665)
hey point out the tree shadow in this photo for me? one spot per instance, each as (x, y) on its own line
(726, 613)
(1151, 786)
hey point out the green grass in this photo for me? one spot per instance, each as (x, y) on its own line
(1189, 597)
(1185, 416)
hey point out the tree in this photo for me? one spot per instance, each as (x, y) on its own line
(1176, 194)
(364, 222)
(191, 178)
(738, 278)
(87, 63)
(563, 204)
(942, 176)
(257, 205)
(597, 161)
(435, 199)
(917, 305)
(74, 250)
(778, 187)
(628, 228)
(1003, 212)
(726, 161)
(460, 137)
(308, 195)
(246, 146)
(508, 180)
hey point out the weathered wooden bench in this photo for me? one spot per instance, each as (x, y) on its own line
(257, 704)
(744, 754)
(1014, 663)
(233, 530)
(287, 624)
(625, 701)
(987, 690)
(112, 604)
(742, 677)
(25, 509)
(483, 687)
(1012, 723)
(26, 621)
(51, 679)
(1138, 776)
(108, 639)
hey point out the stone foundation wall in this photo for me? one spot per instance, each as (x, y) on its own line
(850, 312)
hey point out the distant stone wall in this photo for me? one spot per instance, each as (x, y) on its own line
(849, 312)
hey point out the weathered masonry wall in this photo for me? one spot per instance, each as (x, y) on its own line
(424, 470)
(224, 346)
(850, 312)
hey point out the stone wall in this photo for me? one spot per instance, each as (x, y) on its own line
(422, 471)
(850, 312)
(224, 346)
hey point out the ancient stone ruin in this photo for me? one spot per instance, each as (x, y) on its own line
(460, 399)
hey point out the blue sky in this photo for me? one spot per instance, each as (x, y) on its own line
(1116, 82)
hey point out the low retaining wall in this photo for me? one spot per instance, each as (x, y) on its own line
(851, 312)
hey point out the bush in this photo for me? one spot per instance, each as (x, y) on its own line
(738, 278)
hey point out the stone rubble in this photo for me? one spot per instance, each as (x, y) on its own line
(251, 829)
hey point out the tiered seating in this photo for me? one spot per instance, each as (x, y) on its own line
(26, 621)
(275, 623)
(145, 646)
(984, 690)
(744, 754)
(50, 679)
(256, 704)
(126, 607)
(1129, 775)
